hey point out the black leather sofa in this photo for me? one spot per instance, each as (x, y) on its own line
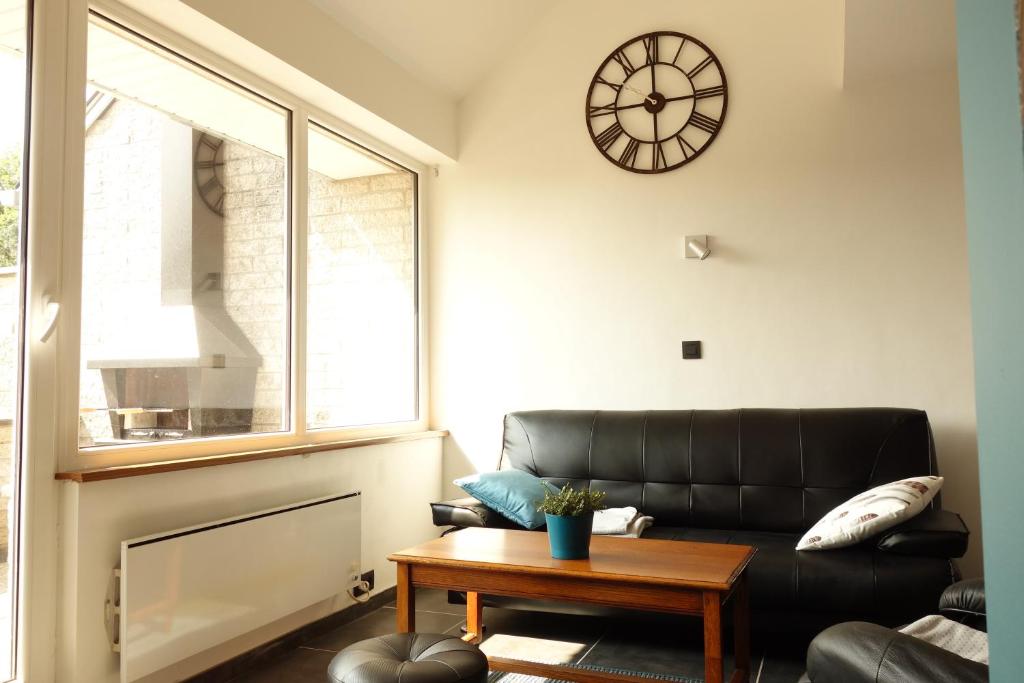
(760, 477)
(857, 652)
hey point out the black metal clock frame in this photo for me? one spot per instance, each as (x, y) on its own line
(654, 102)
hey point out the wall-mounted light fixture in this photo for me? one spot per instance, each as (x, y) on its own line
(697, 247)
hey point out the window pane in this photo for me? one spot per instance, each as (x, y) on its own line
(13, 68)
(185, 270)
(361, 286)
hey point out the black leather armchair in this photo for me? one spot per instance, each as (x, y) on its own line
(857, 651)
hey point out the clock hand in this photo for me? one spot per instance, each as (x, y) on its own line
(638, 92)
(657, 145)
(654, 89)
(667, 100)
(676, 99)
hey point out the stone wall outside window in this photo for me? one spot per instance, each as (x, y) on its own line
(358, 221)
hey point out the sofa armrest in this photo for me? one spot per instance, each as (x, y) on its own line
(933, 533)
(964, 596)
(964, 601)
(858, 652)
(468, 512)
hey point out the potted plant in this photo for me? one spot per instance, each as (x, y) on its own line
(570, 518)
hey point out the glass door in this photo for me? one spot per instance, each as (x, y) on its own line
(14, 50)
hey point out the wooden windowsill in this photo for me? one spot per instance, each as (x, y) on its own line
(146, 468)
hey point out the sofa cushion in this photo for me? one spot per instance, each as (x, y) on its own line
(773, 470)
(871, 512)
(513, 493)
(858, 580)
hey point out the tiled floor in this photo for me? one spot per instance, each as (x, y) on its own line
(668, 646)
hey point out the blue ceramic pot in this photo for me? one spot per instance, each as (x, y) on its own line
(570, 536)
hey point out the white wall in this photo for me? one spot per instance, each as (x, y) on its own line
(839, 274)
(397, 483)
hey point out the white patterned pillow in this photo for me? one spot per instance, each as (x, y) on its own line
(871, 512)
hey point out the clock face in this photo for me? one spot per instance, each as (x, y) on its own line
(207, 165)
(657, 102)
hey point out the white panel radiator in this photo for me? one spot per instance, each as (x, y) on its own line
(187, 590)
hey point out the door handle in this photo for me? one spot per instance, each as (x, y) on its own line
(48, 321)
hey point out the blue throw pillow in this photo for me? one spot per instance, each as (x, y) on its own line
(513, 493)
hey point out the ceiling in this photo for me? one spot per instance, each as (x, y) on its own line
(452, 44)
(448, 44)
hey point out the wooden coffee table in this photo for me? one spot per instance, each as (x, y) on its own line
(661, 576)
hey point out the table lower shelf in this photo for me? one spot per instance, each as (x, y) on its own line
(567, 672)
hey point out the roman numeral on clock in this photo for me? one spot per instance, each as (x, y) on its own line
(596, 110)
(700, 67)
(703, 93)
(679, 51)
(659, 157)
(603, 81)
(651, 49)
(623, 60)
(608, 136)
(210, 185)
(628, 156)
(704, 123)
(687, 149)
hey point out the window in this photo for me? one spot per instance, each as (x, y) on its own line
(13, 71)
(185, 268)
(186, 287)
(361, 286)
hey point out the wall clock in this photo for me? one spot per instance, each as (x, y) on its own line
(657, 102)
(207, 163)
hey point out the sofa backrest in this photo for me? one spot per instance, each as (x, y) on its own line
(758, 469)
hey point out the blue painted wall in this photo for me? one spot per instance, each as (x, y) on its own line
(994, 185)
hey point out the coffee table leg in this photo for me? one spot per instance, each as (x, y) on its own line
(741, 625)
(406, 603)
(474, 618)
(712, 637)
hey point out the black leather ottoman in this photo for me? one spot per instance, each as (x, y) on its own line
(409, 658)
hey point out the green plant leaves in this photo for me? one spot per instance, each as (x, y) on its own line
(570, 502)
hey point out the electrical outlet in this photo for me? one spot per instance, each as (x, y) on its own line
(368, 578)
(691, 349)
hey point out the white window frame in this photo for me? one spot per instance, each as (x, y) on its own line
(302, 113)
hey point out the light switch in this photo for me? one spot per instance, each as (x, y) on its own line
(691, 349)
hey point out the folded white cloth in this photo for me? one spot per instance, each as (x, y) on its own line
(952, 636)
(625, 521)
(614, 520)
(635, 528)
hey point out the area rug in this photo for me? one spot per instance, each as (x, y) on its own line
(505, 677)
